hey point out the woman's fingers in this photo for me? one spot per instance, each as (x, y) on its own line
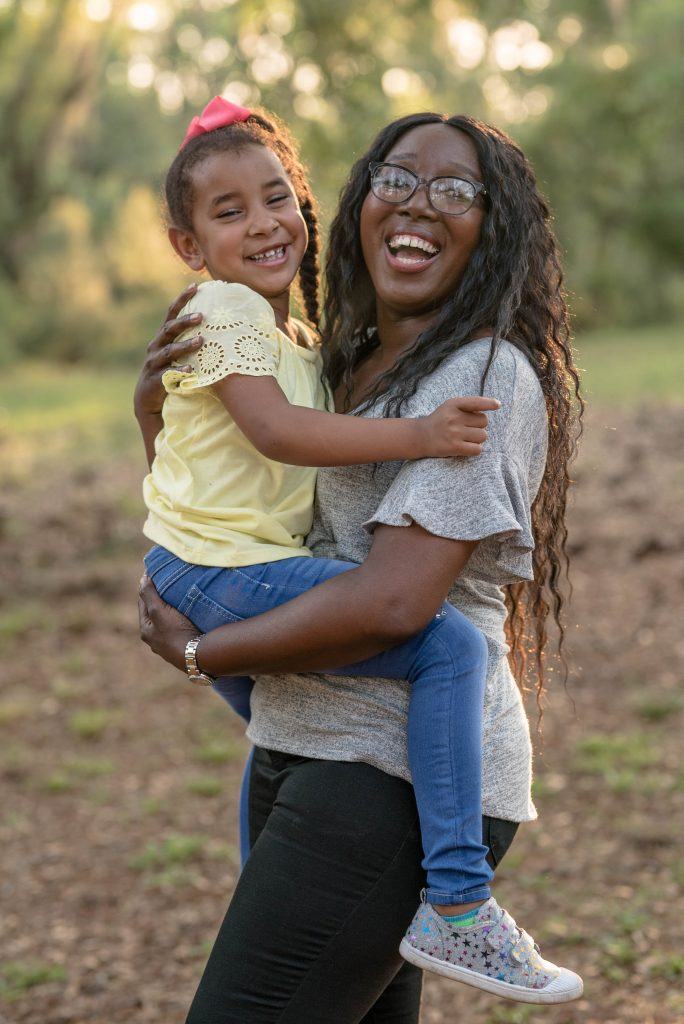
(174, 352)
(180, 300)
(171, 329)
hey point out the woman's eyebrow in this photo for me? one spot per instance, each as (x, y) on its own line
(458, 168)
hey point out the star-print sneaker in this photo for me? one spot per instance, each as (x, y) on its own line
(492, 954)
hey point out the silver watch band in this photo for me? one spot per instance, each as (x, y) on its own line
(194, 674)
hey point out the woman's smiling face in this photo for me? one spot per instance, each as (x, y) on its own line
(409, 280)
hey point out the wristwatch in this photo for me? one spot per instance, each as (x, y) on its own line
(194, 674)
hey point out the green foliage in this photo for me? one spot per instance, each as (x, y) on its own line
(174, 850)
(90, 723)
(94, 110)
(16, 977)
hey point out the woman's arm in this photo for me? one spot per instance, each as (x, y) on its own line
(300, 436)
(390, 597)
(161, 352)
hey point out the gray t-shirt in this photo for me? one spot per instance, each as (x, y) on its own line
(487, 498)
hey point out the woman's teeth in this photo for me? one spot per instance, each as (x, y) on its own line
(272, 254)
(401, 245)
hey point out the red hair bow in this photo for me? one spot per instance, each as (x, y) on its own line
(217, 114)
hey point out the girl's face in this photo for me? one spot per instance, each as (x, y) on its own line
(409, 281)
(246, 223)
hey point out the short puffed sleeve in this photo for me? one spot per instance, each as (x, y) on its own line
(240, 336)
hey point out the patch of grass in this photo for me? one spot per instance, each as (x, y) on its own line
(90, 724)
(16, 978)
(58, 782)
(204, 785)
(17, 621)
(89, 767)
(12, 710)
(620, 759)
(632, 365)
(175, 849)
(670, 967)
(217, 750)
(656, 709)
(64, 689)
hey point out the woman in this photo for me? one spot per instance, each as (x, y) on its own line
(312, 931)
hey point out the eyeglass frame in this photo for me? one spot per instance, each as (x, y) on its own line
(480, 189)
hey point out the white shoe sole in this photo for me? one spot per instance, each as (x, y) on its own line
(563, 989)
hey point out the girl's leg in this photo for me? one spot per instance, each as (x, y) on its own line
(445, 665)
(176, 581)
(313, 928)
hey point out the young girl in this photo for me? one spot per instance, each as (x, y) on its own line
(231, 489)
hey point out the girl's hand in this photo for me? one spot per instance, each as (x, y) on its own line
(162, 628)
(458, 427)
(162, 351)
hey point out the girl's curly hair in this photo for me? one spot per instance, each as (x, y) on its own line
(258, 130)
(511, 286)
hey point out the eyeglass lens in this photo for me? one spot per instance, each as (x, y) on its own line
(449, 195)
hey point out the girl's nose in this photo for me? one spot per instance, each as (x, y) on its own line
(263, 225)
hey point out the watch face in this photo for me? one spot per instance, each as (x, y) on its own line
(201, 680)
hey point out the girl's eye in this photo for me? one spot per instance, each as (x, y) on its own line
(228, 213)
(278, 198)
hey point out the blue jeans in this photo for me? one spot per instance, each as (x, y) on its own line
(445, 665)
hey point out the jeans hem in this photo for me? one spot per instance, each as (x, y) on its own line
(446, 899)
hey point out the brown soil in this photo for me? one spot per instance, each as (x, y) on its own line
(119, 784)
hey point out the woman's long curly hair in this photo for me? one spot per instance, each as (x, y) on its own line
(512, 287)
(258, 130)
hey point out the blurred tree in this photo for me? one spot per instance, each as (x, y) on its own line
(95, 94)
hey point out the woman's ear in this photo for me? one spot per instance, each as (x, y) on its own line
(187, 248)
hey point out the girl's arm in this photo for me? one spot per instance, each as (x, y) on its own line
(161, 352)
(300, 436)
(390, 597)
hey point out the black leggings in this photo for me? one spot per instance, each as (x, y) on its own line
(312, 932)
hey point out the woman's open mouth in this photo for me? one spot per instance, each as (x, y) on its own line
(273, 257)
(410, 252)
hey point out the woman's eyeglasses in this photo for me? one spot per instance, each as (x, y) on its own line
(453, 196)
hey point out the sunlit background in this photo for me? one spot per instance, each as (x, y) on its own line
(117, 820)
(95, 95)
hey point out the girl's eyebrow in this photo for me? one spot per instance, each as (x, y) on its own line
(231, 195)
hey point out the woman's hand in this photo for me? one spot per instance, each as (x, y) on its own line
(458, 426)
(161, 352)
(162, 628)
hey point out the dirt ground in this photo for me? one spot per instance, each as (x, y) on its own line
(117, 819)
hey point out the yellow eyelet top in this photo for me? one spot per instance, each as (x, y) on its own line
(212, 498)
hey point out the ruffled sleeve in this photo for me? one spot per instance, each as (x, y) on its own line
(240, 336)
(486, 498)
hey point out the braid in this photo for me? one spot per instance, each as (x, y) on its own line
(309, 270)
(261, 130)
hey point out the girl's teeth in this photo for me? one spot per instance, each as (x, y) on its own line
(270, 255)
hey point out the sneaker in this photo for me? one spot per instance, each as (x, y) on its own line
(492, 954)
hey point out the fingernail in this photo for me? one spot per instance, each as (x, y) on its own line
(195, 317)
(196, 342)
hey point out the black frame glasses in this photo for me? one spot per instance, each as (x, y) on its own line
(476, 186)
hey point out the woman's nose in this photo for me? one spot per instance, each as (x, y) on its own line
(419, 204)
